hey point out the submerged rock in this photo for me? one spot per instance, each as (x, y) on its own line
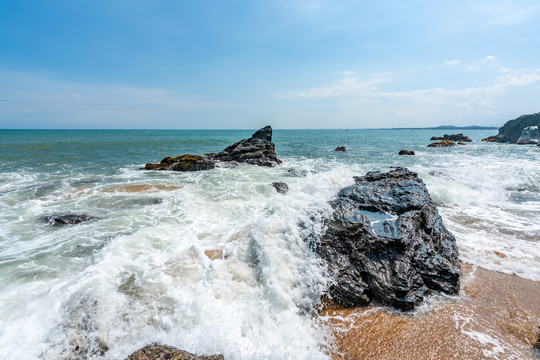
(165, 352)
(281, 187)
(444, 143)
(406, 152)
(511, 131)
(529, 135)
(67, 219)
(452, 137)
(340, 148)
(257, 150)
(386, 243)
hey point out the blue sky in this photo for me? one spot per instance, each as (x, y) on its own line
(245, 64)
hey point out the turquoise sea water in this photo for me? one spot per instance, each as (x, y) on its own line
(139, 272)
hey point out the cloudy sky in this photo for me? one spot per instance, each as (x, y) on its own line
(244, 64)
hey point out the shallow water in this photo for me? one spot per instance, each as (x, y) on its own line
(215, 261)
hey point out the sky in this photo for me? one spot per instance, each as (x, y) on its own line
(233, 64)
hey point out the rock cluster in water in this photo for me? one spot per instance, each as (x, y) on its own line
(452, 137)
(165, 352)
(257, 150)
(513, 130)
(386, 243)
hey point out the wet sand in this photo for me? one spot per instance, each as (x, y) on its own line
(497, 316)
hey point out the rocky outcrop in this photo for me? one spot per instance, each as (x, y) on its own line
(490, 139)
(406, 152)
(281, 187)
(386, 243)
(529, 135)
(511, 131)
(165, 352)
(452, 137)
(340, 148)
(68, 219)
(444, 143)
(257, 150)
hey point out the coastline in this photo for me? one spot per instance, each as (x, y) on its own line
(496, 316)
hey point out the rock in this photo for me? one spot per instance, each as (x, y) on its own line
(461, 143)
(452, 137)
(386, 243)
(281, 187)
(406, 152)
(297, 172)
(490, 139)
(165, 352)
(257, 150)
(536, 348)
(186, 162)
(340, 148)
(511, 131)
(444, 143)
(68, 219)
(529, 135)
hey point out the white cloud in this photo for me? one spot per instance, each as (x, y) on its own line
(347, 72)
(507, 13)
(452, 62)
(90, 104)
(350, 85)
(490, 58)
(420, 104)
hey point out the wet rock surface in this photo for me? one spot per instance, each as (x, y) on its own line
(511, 131)
(490, 139)
(386, 243)
(406, 152)
(162, 352)
(443, 143)
(529, 135)
(67, 219)
(452, 137)
(281, 187)
(257, 150)
(340, 148)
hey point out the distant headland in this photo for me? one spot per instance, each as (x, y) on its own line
(450, 127)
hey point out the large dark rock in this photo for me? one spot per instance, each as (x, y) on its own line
(452, 137)
(511, 131)
(529, 135)
(165, 352)
(406, 152)
(257, 150)
(67, 219)
(386, 243)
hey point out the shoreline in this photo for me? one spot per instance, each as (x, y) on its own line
(496, 316)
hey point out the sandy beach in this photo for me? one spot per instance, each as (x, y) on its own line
(496, 316)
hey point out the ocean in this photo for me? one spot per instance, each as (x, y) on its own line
(215, 261)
